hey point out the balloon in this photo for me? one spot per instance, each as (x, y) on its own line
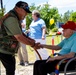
(51, 21)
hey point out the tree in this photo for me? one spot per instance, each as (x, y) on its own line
(46, 14)
(73, 16)
(1, 13)
(29, 16)
(66, 16)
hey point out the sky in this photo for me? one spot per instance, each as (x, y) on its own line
(9, 4)
(62, 5)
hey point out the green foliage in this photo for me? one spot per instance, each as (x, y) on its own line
(66, 16)
(28, 21)
(73, 16)
(29, 16)
(55, 29)
(2, 13)
(46, 14)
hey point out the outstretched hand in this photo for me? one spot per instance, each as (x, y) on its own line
(37, 46)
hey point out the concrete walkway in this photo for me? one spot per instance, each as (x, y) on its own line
(24, 70)
(20, 70)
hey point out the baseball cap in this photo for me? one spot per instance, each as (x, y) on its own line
(23, 5)
(69, 25)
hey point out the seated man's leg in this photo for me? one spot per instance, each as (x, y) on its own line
(42, 68)
(36, 65)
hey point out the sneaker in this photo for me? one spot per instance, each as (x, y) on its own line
(22, 64)
(26, 63)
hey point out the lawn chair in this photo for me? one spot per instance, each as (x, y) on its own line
(65, 71)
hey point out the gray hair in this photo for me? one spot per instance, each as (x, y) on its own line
(36, 12)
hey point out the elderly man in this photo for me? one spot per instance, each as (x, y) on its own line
(11, 34)
(67, 50)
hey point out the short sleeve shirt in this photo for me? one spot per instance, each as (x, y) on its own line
(68, 45)
(12, 26)
(36, 29)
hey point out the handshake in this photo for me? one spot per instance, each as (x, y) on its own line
(34, 44)
(37, 46)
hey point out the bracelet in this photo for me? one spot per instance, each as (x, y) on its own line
(33, 45)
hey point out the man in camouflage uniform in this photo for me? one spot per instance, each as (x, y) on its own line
(11, 34)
